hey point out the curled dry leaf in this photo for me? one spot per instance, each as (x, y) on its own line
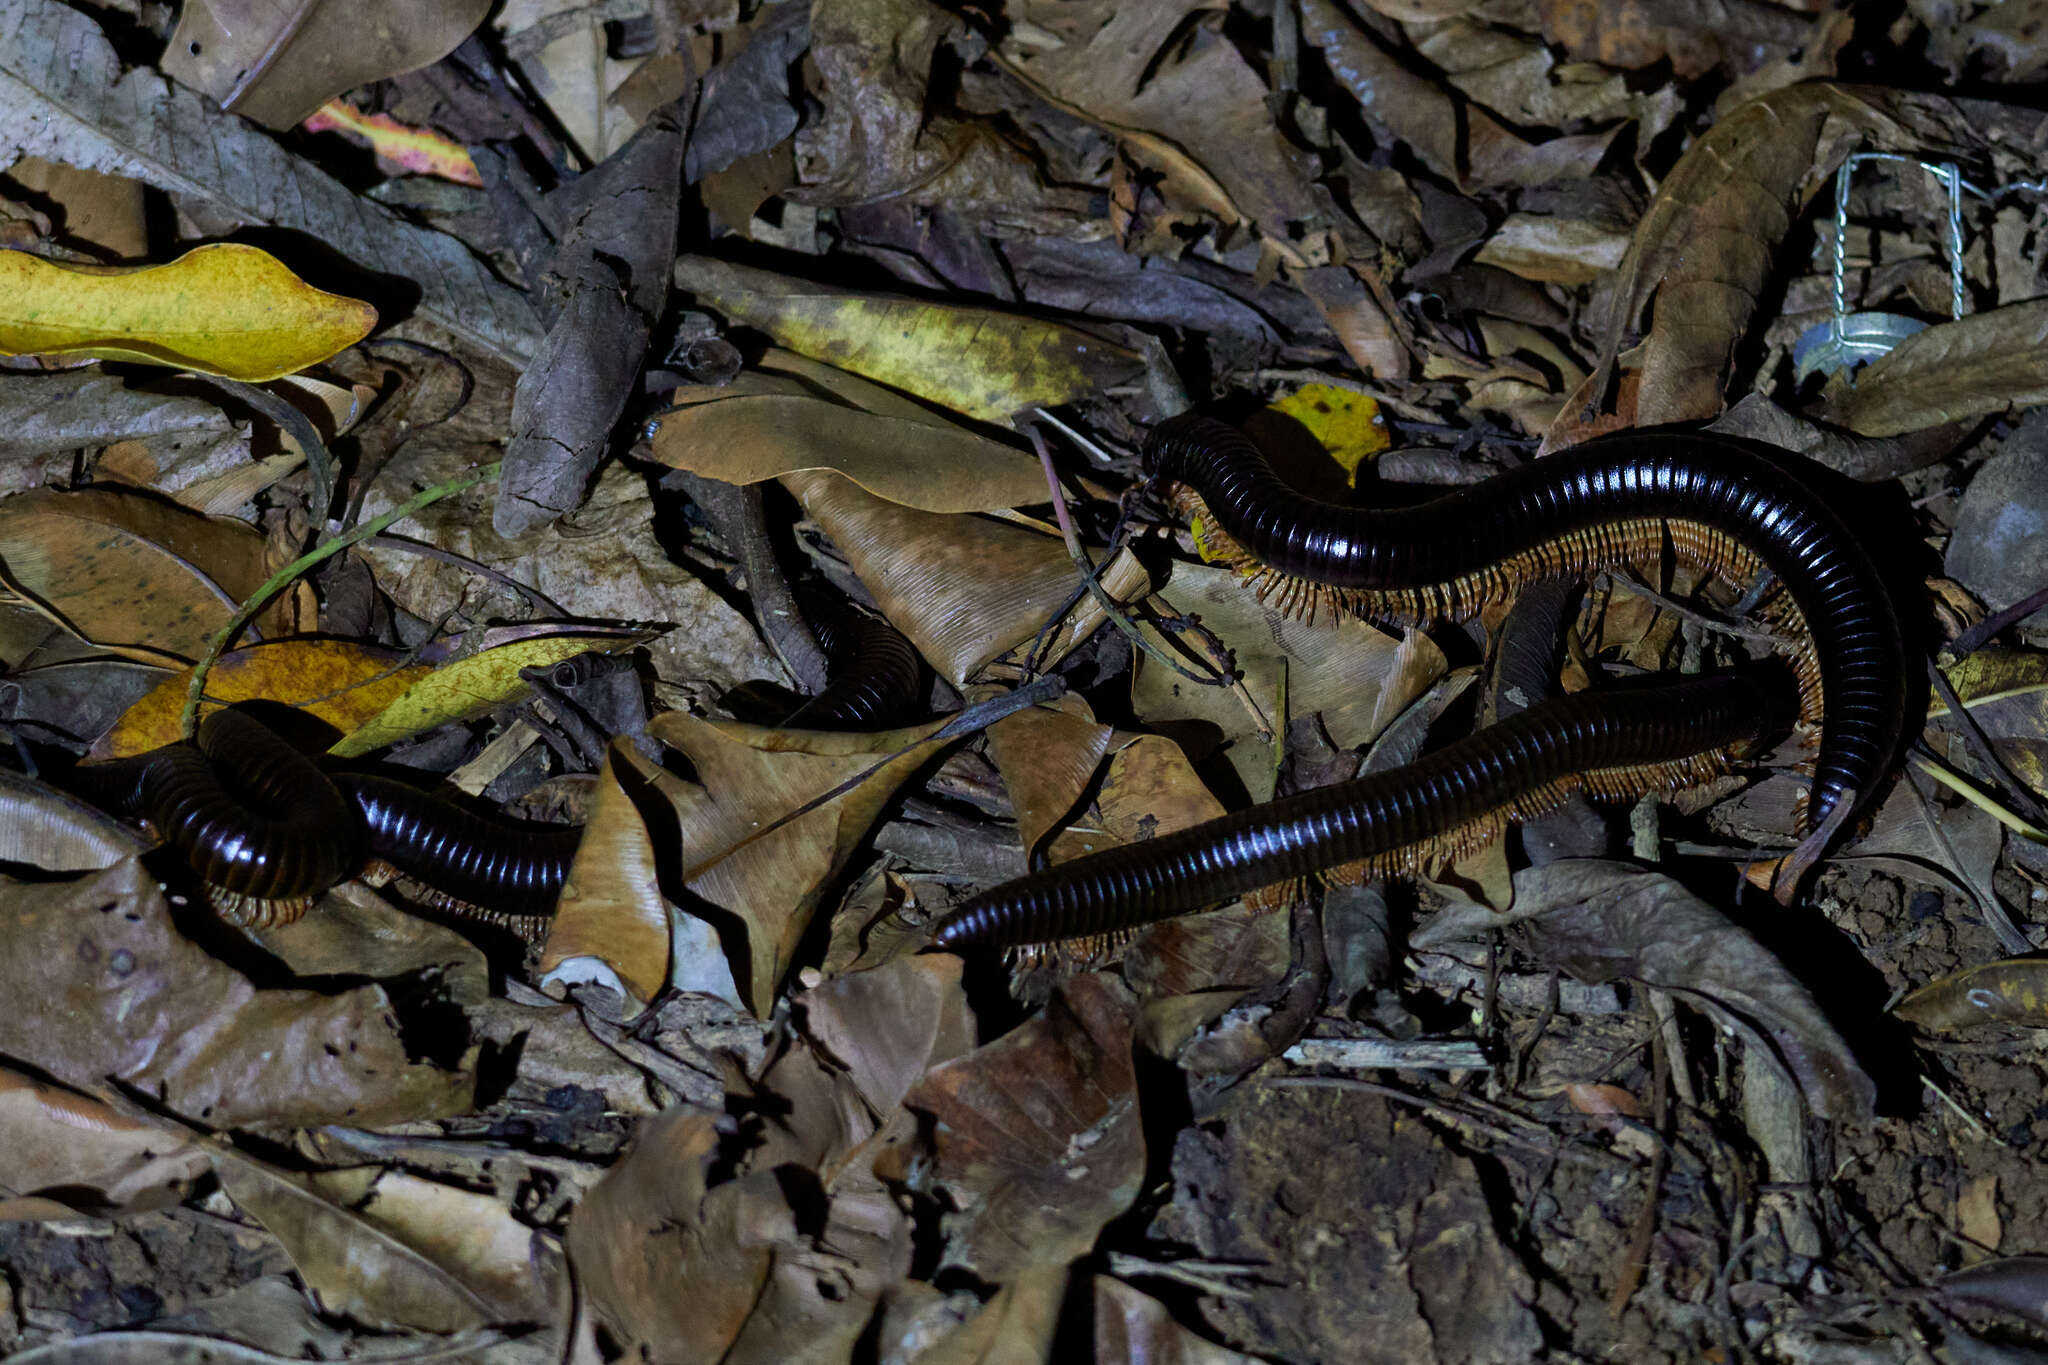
(1705, 247)
(1047, 756)
(1015, 1327)
(130, 573)
(1952, 372)
(770, 884)
(104, 986)
(775, 420)
(887, 1027)
(612, 922)
(2009, 1284)
(988, 364)
(663, 1219)
(2013, 991)
(1602, 921)
(339, 681)
(44, 828)
(1038, 1134)
(1134, 1326)
(68, 1155)
(964, 589)
(276, 64)
(222, 309)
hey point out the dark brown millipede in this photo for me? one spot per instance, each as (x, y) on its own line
(1717, 505)
(1616, 744)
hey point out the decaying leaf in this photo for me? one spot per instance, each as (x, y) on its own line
(220, 309)
(130, 573)
(770, 883)
(1355, 675)
(1038, 1134)
(353, 1267)
(792, 414)
(612, 922)
(965, 590)
(1953, 371)
(104, 986)
(987, 364)
(276, 64)
(69, 1155)
(1601, 921)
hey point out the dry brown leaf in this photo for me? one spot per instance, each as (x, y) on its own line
(1136, 1327)
(471, 1237)
(1356, 675)
(2013, 991)
(104, 986)
(353, 1268)
(44, 828)
(768, 423)
(888, 1026)
(278, 63)
(1953, 371)
(1705, 247)
(1038, 1133)
(611, 910)
(1458, 140)
(69, 1155)
(658, 1222)
(132, 573)
(1015, 1327)
(1160, 76)
(771, 885)
(1047, 756)
(965, 590)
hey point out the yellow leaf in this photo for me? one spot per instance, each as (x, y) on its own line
(341, 682)
(224, 309)
(1346, 422)
(979, 361)
(469, 687)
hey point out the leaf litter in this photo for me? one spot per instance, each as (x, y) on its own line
(785, 319)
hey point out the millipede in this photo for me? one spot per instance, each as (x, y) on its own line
(1611, 745)
(1719, 506)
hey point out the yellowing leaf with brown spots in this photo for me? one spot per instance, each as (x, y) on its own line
(224, 309)
(469, 687)
(129, 573)
(341, 682)
(2014, 991)
(980, 361)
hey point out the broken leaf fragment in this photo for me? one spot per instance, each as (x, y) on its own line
(223, 309)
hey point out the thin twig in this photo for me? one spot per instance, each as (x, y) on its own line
(1975, 638)
(319, 464)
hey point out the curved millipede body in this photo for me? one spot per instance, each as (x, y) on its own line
(1613, 744)
(261, 822)
(1713, 503)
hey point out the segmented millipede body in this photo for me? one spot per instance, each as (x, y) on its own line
(1614, 744)
(1719, 505)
